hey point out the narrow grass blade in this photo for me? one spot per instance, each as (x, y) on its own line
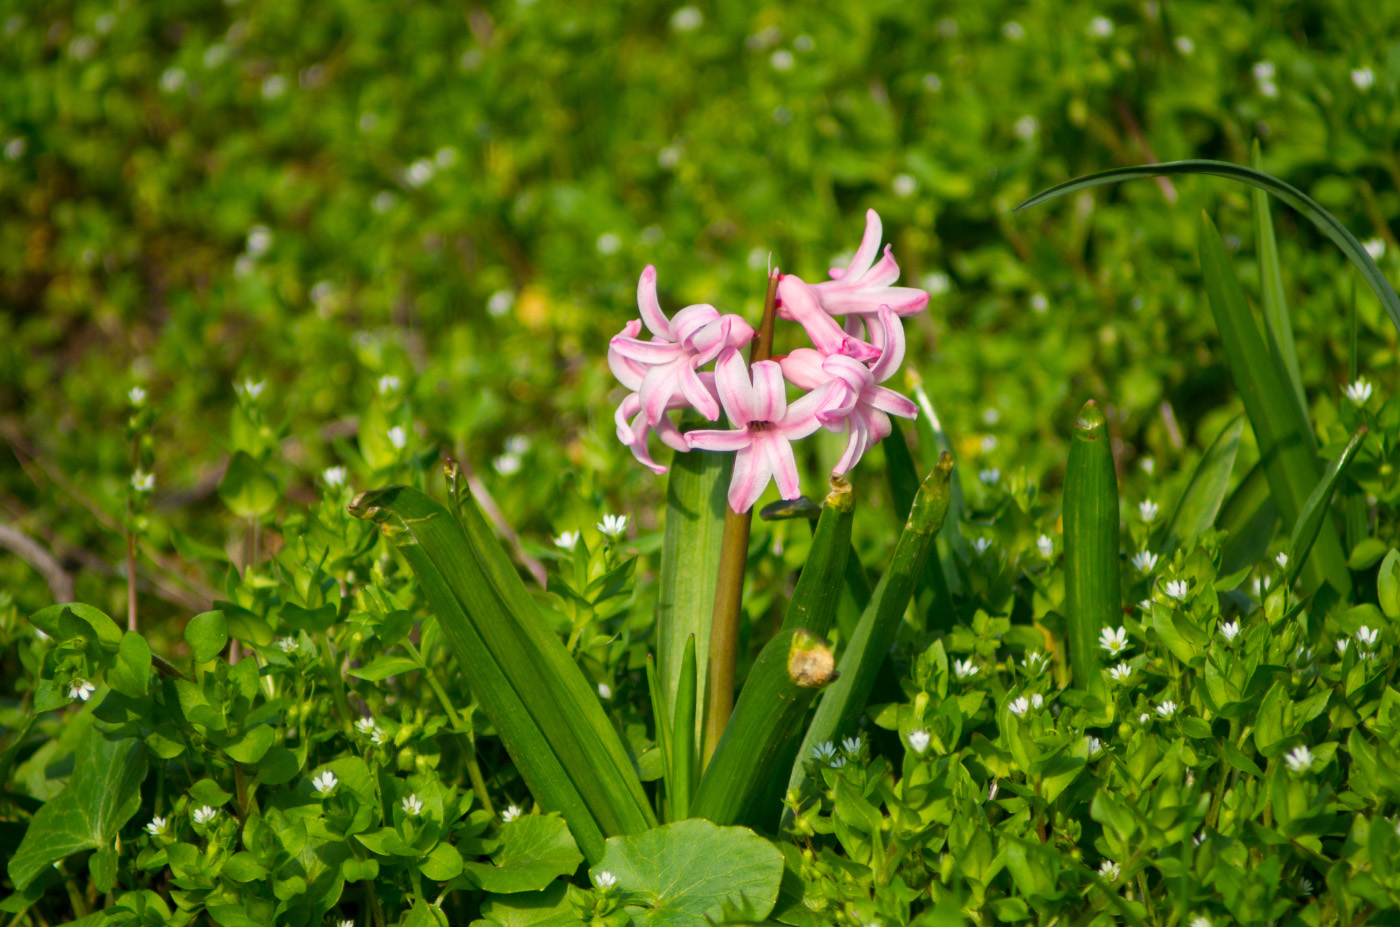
(766, 721)
(855, 595)
(662, 716)
(1285, 442)
(1093, 597)
(1248, 519)
(1200, 504)
(814, 601)
(1276, 321)
(1319, 503)
(690, 546)
(932, 436)
(933, 595)
(1324, 220)
(844, 700)
(463, 557)
(683, 768)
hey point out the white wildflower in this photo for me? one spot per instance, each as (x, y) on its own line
(1185, 45)
(824, 752)
(325, 783)
(398, 437)
(1035, 661)
(1359, 392)
(990, 476)
(604, 690)
(1114, 640)
(80, 690)
(1013, 31)
(500, 303)
(413, 806)
(1375, 247)
(1095, 747)
(1045, 546)
(1148, 464)
(981, 545)
(781, 60)
(1110, 870)
(287, 644)
(388, 384)
(1144, 560)
(1037, 701)
(687, 19)
(567, 541)
(1026, 127)
(1342, 646)
(274, 86)
(919, 740)
(141, 481)
(1368, 636)
(1230, 630)
(964, 669)
(1177, 589)
(852, 745)
(606, 880)
(334, 477)
(904, 186)
(1019, 706)
(507, 464)
(612, 526)
(258, 243)
(204, 814)
(419, 173)
(1200, 920)
(1120, 672)
(366, 725)
(1282, 560)
(1299, 759)
(1100, 27)
(1148, 510)
(510, 814)
(156, 827)
(608, 243)
(136, 396)
(1167, 709)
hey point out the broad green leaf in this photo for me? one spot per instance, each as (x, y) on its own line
(246, 488)
(1276, 322)
(1248, 518)
(102, 795)
(1388, 584)
(933, 440)
(444, 863)
(1093, 598)
(130, 673)
(934, 598)
(252, 745)
(207, 792)
(50, 621)
(813, 604)
(690, 546)
(207, 635)
(534, 850)
(683, 873)
(549, 908)
(1324, 220)
(1315, 510)
(384, 666)
(1200, 504)
(1286, 444)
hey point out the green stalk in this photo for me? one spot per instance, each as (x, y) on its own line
(1305, 532)
(1093, 598)
(814, 601)
(934, 598)
(733, 563)
(662, 717)
(780, 687)
(842, 703)
(683, 736)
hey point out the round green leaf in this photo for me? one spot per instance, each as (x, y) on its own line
(246, 488)
(680, 874)
(1388, 585)
(131, 671)
(207, 635)
(534, 851)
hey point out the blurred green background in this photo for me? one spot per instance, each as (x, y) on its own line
(319, 194)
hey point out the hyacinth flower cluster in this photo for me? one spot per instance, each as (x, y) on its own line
(840, 375)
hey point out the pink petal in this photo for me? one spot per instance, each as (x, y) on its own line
(770, 389)
(650, 306)
(800, 302)
(695, 393)
(719, 439)
(646, 352)
(883, 274)
(887, 400)
(752, 471)
(865, 254)
(736, 392)
(658, 388)
(803, 368)
(628, 372)
(804, 416)
(856, 446)
(840, 300)
(691, 319)
(784, 465)
(728, 331)
(891, 341)
(670, 435)
(625, 410)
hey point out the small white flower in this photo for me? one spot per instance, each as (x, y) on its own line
(366, 725)
(1035, 661)
(1363, 78)
(613, 526)
(1037, 701)
(510, 814)
(156, 827)
(419, 173)
(507, 464)
(1185, 45)
(608, 243)
(990, 416)
(1148, 510)
(15, 148)
(1144, 560)
(1095, 747)
(839, 763)
(388, 384)
(1299, 759)
(1375, 247)
(136, 396)
(904, 186)
(378, 738)
(286, 644)
(325, 783)
(567, 541)
(1305, 886)
(79, 690)
(1342, 646)
(172, 80)
(141, 481)
(606, 880)
(413, 806)
(1145, 605)
(1368, 636)
(852, 745)
(383, 201)
(1148, 464)
(1120, 672)
(981, 545)
(204, 814)
(964, 669)
(1282, 560)
(398, 437)
(1026, 127)
(687, 19)
(334, 476)
(274, 86)
(1230, 630)
(445, 157)
(1013, 31)
(345, 922)
(781, 60)
(990, 476)
(1100, 27)
(1177, 589)
(1167, 709)
(259, 242)
(604, 690)
(500, 303)
(1144, 717)
(1263, 70)
(1110, 870)
(918, 740)
(1359, 392)
(988, 444)
(1200, 920)
(1019, 706)
(824, 751)
(1045, 546)
(1114, 640)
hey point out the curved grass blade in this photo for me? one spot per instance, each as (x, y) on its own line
(1093, 597)
(690, 547)
(1200, 504)
(462, 558)
(1286, 444)
(1248, 518)
(1306, 531)
(814, 601)
(844, 700)
(1324, 220)
(738, 782)
(1276, 322)
(683, 769)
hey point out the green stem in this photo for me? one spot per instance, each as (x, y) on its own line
(473, 767)
(729, 593)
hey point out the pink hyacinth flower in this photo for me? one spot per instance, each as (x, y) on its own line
(765, 427)
(864, 406)
(864, 285)
(798, 300)
(667, 363)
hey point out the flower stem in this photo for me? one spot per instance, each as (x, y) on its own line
(733, 562)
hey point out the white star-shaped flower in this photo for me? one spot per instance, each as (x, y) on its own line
(1359, 391)
(1110, 870)
(413, 805)
(919, 741)
(567, 541)
(286, 644)
(1148, 510)
(1095, 747)
(1368, 636)
(334, 477)
(1282, 560)
(824, 752)
(1034, 662)
(981, 545)
(1120, 672)
(79, 690)
(1342, 646)
(1230, 630)
(606, 880)
(142, 481)
(1178, 589)
(964, 669)
(510, 814)
(136, 396)
(1167, 709)
(398, 438)
(1144, 560)
(156, 826)
(1299, 759)
(1045, 546)
(366, 725)
(1114, 640)
(613, 526)
(990, 476)
(204, 814)
(852, 745)
(1019, 706)
(325, 783)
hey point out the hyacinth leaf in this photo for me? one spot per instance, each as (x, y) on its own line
(844, 700)
(814, 601)
(1248, 519)
(662, 715)
(1200, 504)
(1093, 596)
(683, 753)
(540, 704)
(1324, 220)
(933, 595)
(951, 545)
(738, 784)
(1276, 322)
(690, 554)
(855, 595)
(1285, 443)
(1319, 503)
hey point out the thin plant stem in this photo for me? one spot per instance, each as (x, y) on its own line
(130, 579)
(733, 562)
(473, 767)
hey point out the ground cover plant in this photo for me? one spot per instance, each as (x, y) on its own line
(342, 583)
